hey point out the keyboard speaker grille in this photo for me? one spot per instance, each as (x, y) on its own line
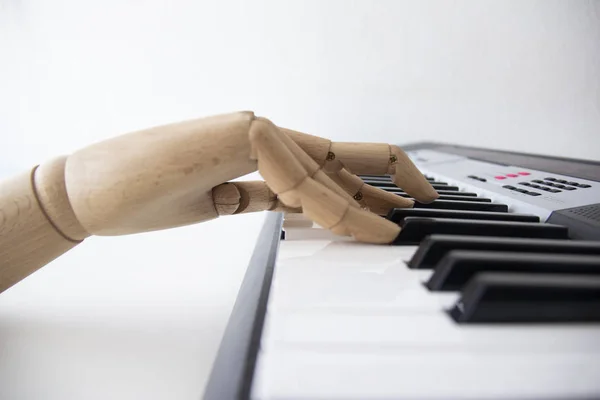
(583, 222)
(589, 212)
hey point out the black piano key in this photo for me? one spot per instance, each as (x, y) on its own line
(463, 205)
(433, 248)
(380, 184)
(528, 298)
(415, 229)
(390, 184)
(458, 266)
(464, 198)
(366, 176)
(440, 192)
(435, 183)
(445, 187)
(398, 214)
(447, 197)
(373, 182)
(376, 178)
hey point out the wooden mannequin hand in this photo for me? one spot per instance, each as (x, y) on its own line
(178, 174)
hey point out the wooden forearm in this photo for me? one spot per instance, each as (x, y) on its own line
(37, 223)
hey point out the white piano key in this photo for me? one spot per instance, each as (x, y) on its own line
(304, 374)
(420, 330)
(354, 294)
(346, 298)
(351, 280)
(347, 320)
(343, 251)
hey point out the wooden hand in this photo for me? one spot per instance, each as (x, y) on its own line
(179, 174)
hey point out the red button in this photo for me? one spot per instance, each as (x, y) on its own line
(524, 173)
(512, 175)
(500, 177)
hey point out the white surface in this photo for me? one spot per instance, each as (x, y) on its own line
(455, 170)
(352, 321)
(121, 318)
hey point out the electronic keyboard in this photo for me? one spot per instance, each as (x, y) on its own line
(491, 291)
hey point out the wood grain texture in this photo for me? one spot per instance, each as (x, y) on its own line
(363, 158)
(246, 197)
(316, 147)
(226, 198)
(312, 167)
(408, 177)
(299, 220)
(276, 162)
(50, 185)
(322, 205)
(287, 175)
(175, 175)
(158, 178)
(28, 240)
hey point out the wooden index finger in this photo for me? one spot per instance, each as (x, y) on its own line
(407, 176)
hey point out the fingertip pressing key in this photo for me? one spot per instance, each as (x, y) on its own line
(380, 202)
(407, 176)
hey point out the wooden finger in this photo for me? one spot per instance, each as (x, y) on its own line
(381, 202)
(276, 163)
(330, 211)
(408, 177)
(371, 198)
(313, 169)
(365, 158)
(246, 197)
(316, 147)
(321, 204)
(361, 158)
(367, 227)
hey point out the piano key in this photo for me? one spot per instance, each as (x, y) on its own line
(440, 192)
(389, 329)
(436, 183)
(326, 288)
(445, 187)
(385, 176)
(336, 319)
(398, 214)
(337, 279)
(376, 178)
(415, 229)
(378, 181)
(458, 266)
(446, 197)
(380, 184)
(424, 374)
(390, 184)
(463, 205)
(433, 248)
(317, 344)
(503, 297)
(464, 198)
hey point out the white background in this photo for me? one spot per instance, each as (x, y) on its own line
(142, 316)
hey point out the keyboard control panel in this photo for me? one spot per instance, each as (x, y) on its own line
(525, 190)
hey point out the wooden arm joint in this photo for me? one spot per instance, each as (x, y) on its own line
(50, 191)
